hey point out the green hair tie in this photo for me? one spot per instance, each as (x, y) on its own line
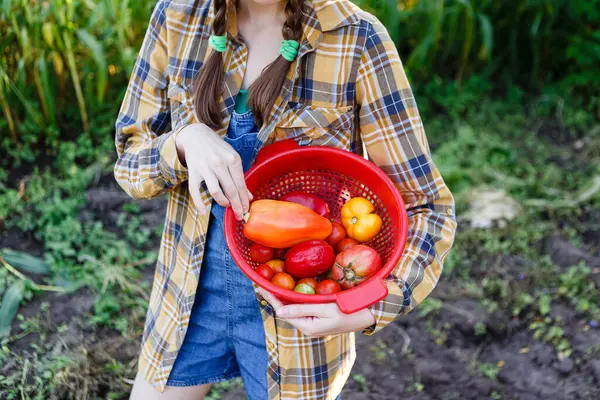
(289, 49)
(219, 43)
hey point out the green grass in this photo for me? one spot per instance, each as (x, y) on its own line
(504, 91)
(481, 143)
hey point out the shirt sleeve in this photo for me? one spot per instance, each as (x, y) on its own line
(148, 164)
(393, 134)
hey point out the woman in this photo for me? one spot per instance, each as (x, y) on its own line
(215, 81)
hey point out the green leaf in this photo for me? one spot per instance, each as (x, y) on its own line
(487, 35)
(10, 305)
(6, 5)
(45, 81)
(544, 304)
(25, 262)
(99, 57)
(29, 108)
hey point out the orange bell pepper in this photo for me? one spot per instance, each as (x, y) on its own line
(359, 219)
(282, 224)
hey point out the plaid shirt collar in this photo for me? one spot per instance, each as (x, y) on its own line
(318, 16)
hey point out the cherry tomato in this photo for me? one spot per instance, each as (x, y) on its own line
(265, 271)
(304, 288)
(276, 265)
(312, 282)
(337, 234)
(284, 281)
(279, 253)
(260, 254)
(346, 244)
(328, 287)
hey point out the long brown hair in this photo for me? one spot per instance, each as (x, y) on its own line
(264, 91)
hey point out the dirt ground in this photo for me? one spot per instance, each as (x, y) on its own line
(437, 356)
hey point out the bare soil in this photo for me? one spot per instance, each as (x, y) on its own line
(438, 356)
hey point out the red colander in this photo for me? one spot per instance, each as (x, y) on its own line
(335, 176)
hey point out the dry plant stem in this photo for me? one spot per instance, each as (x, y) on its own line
(9, 119)
(405, 338)
(36, 286)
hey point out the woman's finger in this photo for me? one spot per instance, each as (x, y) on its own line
(212, 184)
(230, 191)
(236, 170)
(304, 310)
(274, 301)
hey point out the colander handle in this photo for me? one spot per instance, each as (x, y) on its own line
(366, 295)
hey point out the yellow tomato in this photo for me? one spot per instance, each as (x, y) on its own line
(359, 219)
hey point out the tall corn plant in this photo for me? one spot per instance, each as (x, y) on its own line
(457, 34)
(529, 40)
(56, 54)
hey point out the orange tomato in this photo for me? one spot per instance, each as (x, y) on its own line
(359, 219)
(277, 265)
(284, 281)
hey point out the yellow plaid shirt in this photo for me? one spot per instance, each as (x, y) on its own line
(347, 89)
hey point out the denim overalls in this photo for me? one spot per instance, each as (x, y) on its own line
(226, 336)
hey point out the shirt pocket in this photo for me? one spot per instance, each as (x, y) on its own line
(317, 126)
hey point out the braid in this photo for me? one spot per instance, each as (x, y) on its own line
(220, 22)
(292, 28)
(209, 84)
(265, 90)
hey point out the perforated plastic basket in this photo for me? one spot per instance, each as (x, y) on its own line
(335, 176)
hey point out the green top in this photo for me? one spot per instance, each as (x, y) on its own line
(241, 102)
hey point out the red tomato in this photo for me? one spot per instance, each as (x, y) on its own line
(265, 271)
(354, 266)
(312, 282)
(328, 286)
(309, 259)
(260, 254)
(279, 253)
(311, 201)
(277, 265)
(346, 244)
(337, 234)
(284, 281)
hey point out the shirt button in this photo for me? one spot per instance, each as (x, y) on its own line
(271, 345)
(449, 212)
(263, 303)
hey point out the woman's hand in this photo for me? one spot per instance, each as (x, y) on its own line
(211, 160)
(317, 320)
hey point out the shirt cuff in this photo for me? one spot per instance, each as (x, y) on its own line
(388, 309)
(171, 167)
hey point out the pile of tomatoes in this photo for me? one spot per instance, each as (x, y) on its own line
(298, 247)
